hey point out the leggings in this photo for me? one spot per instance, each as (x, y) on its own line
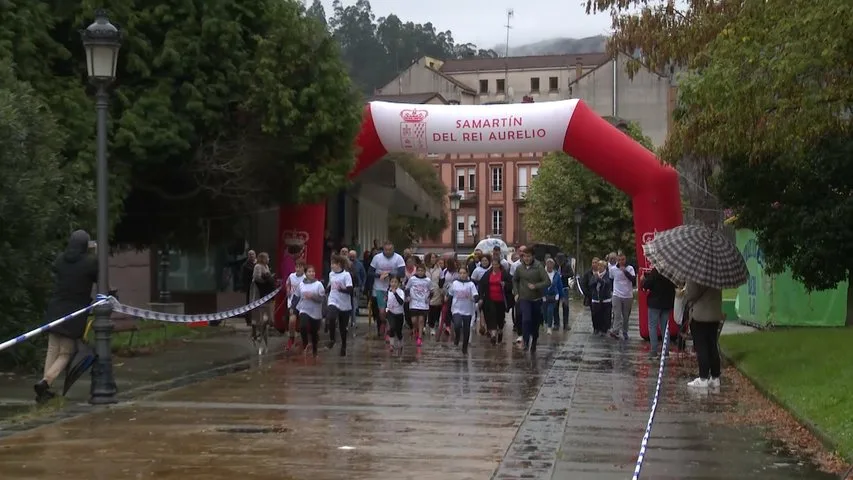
(338, 319)
(407, 313)
(310, 326)
(495, 315)
(395, 323)
(462, 328)
(705, 342)
(434, 315)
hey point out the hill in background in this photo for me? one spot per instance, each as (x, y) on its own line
(556, 46)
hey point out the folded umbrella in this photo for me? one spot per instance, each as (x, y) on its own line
(698, 254)
(81, 362)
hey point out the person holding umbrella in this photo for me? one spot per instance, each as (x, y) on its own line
(706, 262)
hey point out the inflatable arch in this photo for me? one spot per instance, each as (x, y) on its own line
(568, 125)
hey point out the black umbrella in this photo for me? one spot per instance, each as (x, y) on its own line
(81, 362)
(698, 254)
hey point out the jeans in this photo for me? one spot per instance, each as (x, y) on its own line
(549, 312)
(530, 312)
(564, 306)
(657, 320)
(705, 342)
(462, 328)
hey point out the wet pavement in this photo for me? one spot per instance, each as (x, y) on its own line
(575, 410)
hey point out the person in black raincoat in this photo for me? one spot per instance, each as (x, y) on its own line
(75, 273)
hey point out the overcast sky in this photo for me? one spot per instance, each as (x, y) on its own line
(482, 21)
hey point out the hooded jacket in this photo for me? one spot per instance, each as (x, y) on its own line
(75, 272)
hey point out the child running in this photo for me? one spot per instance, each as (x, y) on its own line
(311, 295)
(294, 280)
(463, 296)
(419, 289)
(340, 302)
(394, 309)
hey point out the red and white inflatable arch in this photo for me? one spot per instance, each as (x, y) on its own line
(567, 125)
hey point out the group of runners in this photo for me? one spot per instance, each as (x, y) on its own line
(434, 296)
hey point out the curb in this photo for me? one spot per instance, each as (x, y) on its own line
(824, 439)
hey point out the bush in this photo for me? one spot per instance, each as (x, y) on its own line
(34, 223)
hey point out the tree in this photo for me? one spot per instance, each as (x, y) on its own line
(780, 76)
(403, 230)
(36, 221)
(317, 12)
(219, 109)
(800, 209)
(561, 186)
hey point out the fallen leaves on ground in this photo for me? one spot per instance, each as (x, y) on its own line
(750, 408)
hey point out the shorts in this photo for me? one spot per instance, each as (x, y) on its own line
(415, 312)
(381, 297)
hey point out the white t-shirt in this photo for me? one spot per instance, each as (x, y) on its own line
(514, 266)
(463, 294)
(341, 300)
(393, 305)
(382, 264)
(478, 272)
(294, 281)
(419, 290)
(622, 286)
(311, 297)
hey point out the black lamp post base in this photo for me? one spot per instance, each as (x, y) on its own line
(103, 390)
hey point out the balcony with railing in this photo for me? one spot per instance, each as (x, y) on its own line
(521, 192)
(468, 198)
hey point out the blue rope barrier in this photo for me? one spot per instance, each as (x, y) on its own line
(32, 333)
(644, 444)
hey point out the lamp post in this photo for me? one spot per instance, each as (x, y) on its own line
(102, 41)
(455, 198)
(578, 219)
(475, 231)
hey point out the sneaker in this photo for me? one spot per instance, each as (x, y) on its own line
(614, 334)
(343, 352)
(698, 382)
(290, 343)
(624, 335)
(420, 341)
(519, 339)
(500, 337)
(432, 332)
(387, 339)
(714, 382)
(550, 331)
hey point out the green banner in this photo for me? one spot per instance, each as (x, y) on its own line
(779, 300)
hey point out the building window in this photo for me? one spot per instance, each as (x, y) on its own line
(501, 85)
(534, 85)
(471, 220)
(484, 87)
(460, 229)
(472, 179)
(460, 179)
(497, 222)
(553, 84)
(497, 179)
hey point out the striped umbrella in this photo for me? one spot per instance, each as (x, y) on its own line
(698, 254)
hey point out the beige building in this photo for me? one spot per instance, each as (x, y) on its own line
(494, 185)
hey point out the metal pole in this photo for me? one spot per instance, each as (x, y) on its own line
(577, 247)
(103, 388)
(453, 234)
(165, 294)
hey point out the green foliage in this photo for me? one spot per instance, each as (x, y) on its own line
(403, 229)
(35, 219)
(778, 77)
(563, 185)
(799, 208)
(377, 50)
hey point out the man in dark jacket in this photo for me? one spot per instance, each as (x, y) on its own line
(660, 300)
(567, 274)
(529, 284)
(75, 273)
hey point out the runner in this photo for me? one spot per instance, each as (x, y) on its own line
(463, 296)
(294, 280)
(384, 265)
(396, 299)
(419, 290)
(340, 302)
(309, 304)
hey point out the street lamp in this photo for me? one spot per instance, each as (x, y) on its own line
(102, 41)
(455, 198)
(578, 219)
(475, 231)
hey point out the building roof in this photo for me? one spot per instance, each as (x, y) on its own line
(521, 63)
(452, 80)
(409, 98)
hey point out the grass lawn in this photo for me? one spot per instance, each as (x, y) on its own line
(153, 334)
(808, 370)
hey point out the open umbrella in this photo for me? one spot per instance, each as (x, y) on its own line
(488, 244)
(698, 254)
(82, 361)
